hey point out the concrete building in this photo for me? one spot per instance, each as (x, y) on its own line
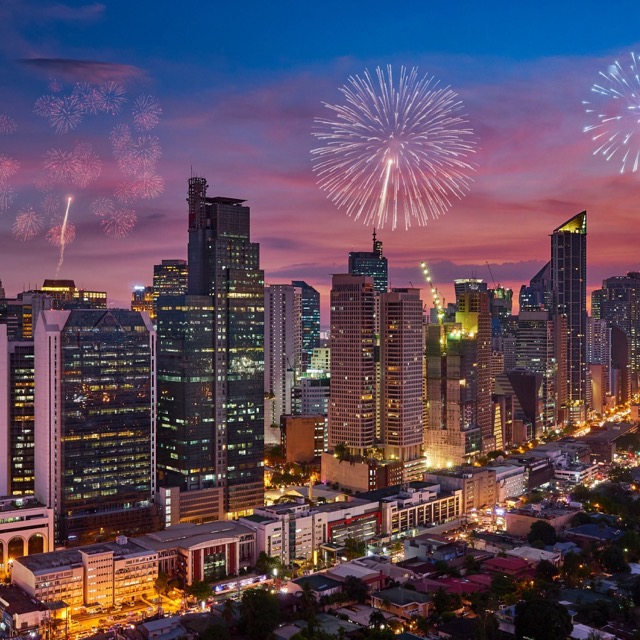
(26, 527)
(352, 409)
(415, 505)
(476, 484)
(511, 482)
(359, 473)
(303, 437)
(105, 574)
(208, 551)
(518, 521)
(21, 615)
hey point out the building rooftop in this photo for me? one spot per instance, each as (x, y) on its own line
(392, 492)
(188, 535)
(15, 601)
(319, 582)
(400, 596)
(596, 531)
(69, 558)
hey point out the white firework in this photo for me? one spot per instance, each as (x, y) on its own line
(394, 149)
(146, 112)
(614, 109)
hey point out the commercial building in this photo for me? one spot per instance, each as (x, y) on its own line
(21, 615)
(169, 279)
(568, 284)
(309, 321)
(95, 421)
(26, 527)
(142, 300)
(361, 473)
(105, 574)
(303, 437)
(518, 521)
(371, 263)
(195, 552)
(222, 386)
(476, 484)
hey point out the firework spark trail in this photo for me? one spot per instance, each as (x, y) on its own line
(615, 110)
(394, 148)
(63, 239)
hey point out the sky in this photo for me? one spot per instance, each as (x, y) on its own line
(239, 86)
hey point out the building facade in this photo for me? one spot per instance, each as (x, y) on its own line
(95, 421)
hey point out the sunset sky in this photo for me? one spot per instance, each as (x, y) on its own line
(240, 85)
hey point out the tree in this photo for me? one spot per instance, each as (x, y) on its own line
(546, 570)
(260, 613)
(612, 559)
(376, 619)
(620, 474)
(200, 590)
(228, 611)
(162, 583)
(308, 601)
(543, 531)
(354, 548)
(502, 585)
(355, 589)
(341, 451)
(215, 632)
(542, 619)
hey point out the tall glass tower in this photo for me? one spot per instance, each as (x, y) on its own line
(224, 265)
(372, 264)
(569, 292)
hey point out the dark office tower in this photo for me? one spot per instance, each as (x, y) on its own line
(619, 305)
(500, 302)
(225, 265)
(94, 421)
(310, 320)
(538, 294)
(169, 279)
(462, 285)
(401, 405)
(568, 284)
(2, 294)
(16, 416)
(372, 264)
(352, 407)
(475, 319)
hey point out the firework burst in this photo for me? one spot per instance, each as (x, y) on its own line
(102, 207)
(7, 125)
(119, 223)
(614, 109)
(111, 97)
(52, 205)
(60, 165)
(88, 165)
(61, 235)
(394, 149)
(7, 196)
(28, 224)
(66, 114)
(8, 166)
(45, 106)
(88, 96)
(146, 113)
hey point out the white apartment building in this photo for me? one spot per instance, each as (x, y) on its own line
(511, 481)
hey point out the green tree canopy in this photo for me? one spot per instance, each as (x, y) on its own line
(260, 613)
(541, 530)
(200, 590)
(542, 619)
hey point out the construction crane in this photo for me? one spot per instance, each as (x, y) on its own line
(438, 301)
(491, 274)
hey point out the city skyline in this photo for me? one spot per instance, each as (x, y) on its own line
(243, 116)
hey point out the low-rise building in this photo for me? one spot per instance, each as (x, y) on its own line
(208, 551)
(478, 485)
(518, 521)
(21, 615)
(434, 548)
(26, 527)
(361, 474)
(415, 505)
(576, 473)
(511, 482)
(533, 555)
(106, 574)
(401, 602)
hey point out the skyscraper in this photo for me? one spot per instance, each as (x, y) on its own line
(224, 265)
(169, 279)
(352, 408)
(569, 295)
(619, 305)
(372, 264)
(282, 353)
(538, 294)
(401, 386)
(310, 320)
(95, 421)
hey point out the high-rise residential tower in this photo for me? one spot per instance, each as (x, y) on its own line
(225, 277)
(95, 421)
(569, 296)
(401, 384)
(282, 353)
(352, 407)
